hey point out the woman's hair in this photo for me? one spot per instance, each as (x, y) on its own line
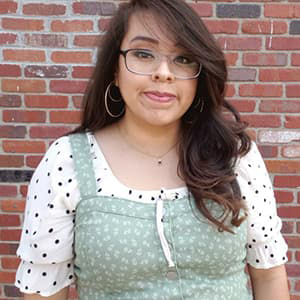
(210, 143)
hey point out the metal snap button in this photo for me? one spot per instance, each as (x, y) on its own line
(171, 275)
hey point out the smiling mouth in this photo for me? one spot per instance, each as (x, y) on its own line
(160, 97)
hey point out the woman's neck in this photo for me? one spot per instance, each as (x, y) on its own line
(149, 138)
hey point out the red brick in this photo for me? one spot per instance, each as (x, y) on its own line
(46, 40)
(7, 38)
(11, 131)
(222, 26)
(8, 7)
(293, 90)
(46, 101)
(262, 120)
(7, 248)
(103, 24)
(23, 85)
(287, 181)
(287, 227)
(241, 74)
(13, 205)
(265, 59)
(24, 55)
(48, 132)
(8, 191)
(24, 116)
(230, 90)
(46, 71)
(10, 100)
(243, 105)
(282, 10)
(268, 151)
(10, 262)
(77, 101)
(68, 86)
(94, 8)
(283, 43)
(10, 71)
(293, 270)
(231, 58)
(297, 255)
(87, 41)
(11, 161)
(279, 75)
(23, 146)
(202, 9)
(278, 136)
(10, 234)
(283, 166)
(240, 43)
(82, 72)
(260, 90)
(7, 277)
(65, 117)
(291, 151)
(33, 161)
(292, 122)
(40, 9)
(22, 24)
(295, 59)
(9, 220)
(293, 241)
(264, 27)
(279, 106)
(71, 57)
(72, 26)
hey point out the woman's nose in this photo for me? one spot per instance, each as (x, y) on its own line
(163, 72)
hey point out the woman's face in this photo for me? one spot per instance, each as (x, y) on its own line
(159, 99)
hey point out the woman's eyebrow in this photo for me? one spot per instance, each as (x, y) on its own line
(144, 38)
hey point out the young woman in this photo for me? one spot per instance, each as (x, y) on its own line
(156, 195)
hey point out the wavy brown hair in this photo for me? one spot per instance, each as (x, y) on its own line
(209, 144)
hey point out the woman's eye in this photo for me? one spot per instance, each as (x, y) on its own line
(143, 54)
(184, 60)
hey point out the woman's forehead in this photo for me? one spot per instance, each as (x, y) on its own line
(144, 28)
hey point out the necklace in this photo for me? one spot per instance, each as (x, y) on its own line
(159, 159)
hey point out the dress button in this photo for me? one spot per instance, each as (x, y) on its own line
(171, 275)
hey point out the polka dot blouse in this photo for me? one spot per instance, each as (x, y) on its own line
(46, 246)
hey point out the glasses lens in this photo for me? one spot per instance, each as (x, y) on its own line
(146, 62)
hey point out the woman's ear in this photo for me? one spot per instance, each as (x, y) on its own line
(116, 79)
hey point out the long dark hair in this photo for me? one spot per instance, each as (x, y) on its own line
(210, 143)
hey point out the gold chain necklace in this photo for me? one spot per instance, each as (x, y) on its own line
(158, 158)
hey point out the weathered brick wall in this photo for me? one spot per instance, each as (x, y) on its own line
(47, 50)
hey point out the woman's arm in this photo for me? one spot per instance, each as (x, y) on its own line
(269, 284)
(61, 295)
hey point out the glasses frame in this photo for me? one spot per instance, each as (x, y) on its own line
(125, 52)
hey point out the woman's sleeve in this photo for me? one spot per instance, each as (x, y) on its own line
(266, 247)
(46, 246)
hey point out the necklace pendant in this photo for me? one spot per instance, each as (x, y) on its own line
(159, 162)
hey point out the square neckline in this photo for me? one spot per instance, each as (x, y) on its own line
(98, 151)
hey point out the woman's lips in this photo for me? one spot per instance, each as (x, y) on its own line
(160, 97)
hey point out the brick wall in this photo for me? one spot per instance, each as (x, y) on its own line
(47, 52)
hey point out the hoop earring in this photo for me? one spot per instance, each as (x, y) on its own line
(200, 100)
(106, 104)
(109, 94)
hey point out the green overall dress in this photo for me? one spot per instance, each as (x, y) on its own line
(119, 251)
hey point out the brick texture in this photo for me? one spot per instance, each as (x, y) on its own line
(47, 54)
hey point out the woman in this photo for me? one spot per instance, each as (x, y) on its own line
(157, 195)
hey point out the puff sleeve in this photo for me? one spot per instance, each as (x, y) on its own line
(266, 247)
(46, 245)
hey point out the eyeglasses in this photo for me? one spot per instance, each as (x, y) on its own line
(145, 62)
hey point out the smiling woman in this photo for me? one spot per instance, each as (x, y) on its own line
(156, 195)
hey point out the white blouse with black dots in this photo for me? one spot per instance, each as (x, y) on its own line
(47, 251)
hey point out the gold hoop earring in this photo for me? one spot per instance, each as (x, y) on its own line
(109, 94)
(106, 105)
